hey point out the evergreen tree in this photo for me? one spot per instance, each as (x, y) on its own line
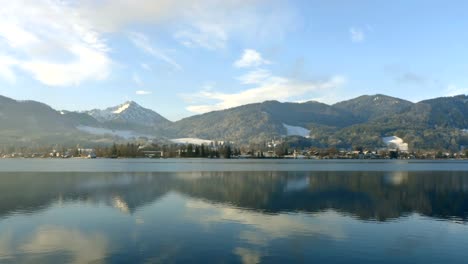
(114, 150)
(202, 151)
(189, 150)
(197, 151)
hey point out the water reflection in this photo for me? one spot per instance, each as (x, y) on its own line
(246, 217)
(83, 248)
(366, 195)
(53, 244)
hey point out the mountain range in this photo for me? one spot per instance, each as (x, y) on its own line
(438, 123)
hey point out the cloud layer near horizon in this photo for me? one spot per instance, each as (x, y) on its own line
(266, 86)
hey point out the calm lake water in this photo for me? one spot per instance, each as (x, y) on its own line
(236, 211)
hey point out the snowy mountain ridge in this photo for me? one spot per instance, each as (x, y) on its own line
(129, 112)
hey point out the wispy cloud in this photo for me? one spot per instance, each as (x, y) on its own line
(63, 43)
(198, 23)
(143, 92)
(141, 41)
(250, 58)
(209, 36)
(357, 35)
(257, 76)
(52, 42)
(111, 15)
(267, 86)
(270, 88)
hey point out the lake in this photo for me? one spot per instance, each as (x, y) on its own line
(233, 211)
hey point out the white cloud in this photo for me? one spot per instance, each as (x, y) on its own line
(62, 42)
(6, 71)
(255, 77)
(111, 15)
(143, 92)
(250, 58)
(357, 35)
(209, 36)
(50, 40)
(267, 87)
(270, 88)
(453, 90)
(198, 23)
(141, 41)
(88, 65)
(16, 36)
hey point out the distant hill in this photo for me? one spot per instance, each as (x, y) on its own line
(29, 121)
(309, 114)
(448, 111)
(438, 123)
(77, 118)
(260, 121)
(371, 107)
(431, 124)
(244, 123)
(29, 115)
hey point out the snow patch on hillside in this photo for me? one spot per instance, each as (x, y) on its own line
(127, 134)
(395, 142)
(195, 141)
(121, 108)
(296, 131)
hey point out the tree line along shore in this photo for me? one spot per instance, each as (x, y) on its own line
(225, 151)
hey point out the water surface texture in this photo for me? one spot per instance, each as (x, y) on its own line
(361, 212)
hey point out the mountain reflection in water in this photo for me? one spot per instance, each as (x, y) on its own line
(366, 195)
(234, 217)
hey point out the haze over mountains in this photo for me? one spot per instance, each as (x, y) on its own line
(438, 123)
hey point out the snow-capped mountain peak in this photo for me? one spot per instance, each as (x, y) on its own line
(129, 112)
(123, 107)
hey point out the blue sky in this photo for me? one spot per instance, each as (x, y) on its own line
(186, 57)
